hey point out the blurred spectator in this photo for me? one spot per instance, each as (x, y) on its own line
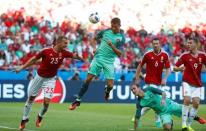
(22, 36)
(30, 75)
(76, 77)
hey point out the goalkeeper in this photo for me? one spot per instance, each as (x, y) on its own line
(156, 99)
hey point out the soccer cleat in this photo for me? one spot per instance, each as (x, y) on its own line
(23, 124)
(201, 120)
(74, 105)
(184, 128)
(190, 129)
(38, 120)
(158, 124)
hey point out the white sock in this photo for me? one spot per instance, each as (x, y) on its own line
(192, 114)
(185, 111)
(157, 118)
(144, 110)
(27, 110)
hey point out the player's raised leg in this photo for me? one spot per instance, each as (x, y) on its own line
(82, 91)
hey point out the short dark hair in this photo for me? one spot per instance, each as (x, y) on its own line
(58, 39)
(155, 38)
(196, 40)
(116, 20)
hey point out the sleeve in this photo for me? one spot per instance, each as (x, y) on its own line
(179, 61)
(40, 54)
(167, 62)
(138, 109)
(121, 43)
(144, 60)
(99, 35)
(154, 90)
(68, 54)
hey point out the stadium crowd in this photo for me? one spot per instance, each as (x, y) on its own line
(21, 37)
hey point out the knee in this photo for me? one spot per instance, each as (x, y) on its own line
(196, 104)
(187, 101)
(31, 99)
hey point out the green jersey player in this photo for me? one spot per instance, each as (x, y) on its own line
(156, 99)
(111, 40)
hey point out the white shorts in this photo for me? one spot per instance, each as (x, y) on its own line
(189, 90)
(46, 84)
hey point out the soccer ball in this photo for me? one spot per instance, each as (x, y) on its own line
(94, 18)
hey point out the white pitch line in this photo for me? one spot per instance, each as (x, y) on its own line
(6, 127)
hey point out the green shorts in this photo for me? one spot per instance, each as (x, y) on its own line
(98, 65)
(173, 109)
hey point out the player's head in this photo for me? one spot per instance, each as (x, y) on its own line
(192, 43)
(156, 44)
(137, 91)
(61, 42)
(115, 25)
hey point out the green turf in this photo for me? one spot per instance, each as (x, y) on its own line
(89, 117)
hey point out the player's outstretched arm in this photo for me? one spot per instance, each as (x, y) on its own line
(176, 69)
(167, 73)
(163, 101)
(30, 62)
(76, 56)
(138, 73)
(115, 49)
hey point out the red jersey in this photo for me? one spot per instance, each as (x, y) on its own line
(51, 61)
(193, 67)
(154, 66)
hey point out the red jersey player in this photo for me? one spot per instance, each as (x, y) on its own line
(155, 60)
(51, 59)
(193, 61)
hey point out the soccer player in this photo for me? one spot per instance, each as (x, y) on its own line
(111, 41)
(192, 62)
(156, 60)
(156, 99)
(51, 59)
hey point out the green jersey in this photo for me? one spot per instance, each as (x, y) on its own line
(152, 98)
(104, 52)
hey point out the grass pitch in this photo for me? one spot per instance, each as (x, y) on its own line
(88, 117)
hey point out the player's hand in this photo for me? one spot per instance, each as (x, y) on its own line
(109, 42)
(163, 102)
(18, 69)
(182, 68)
(164, 81)
(76, 56)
